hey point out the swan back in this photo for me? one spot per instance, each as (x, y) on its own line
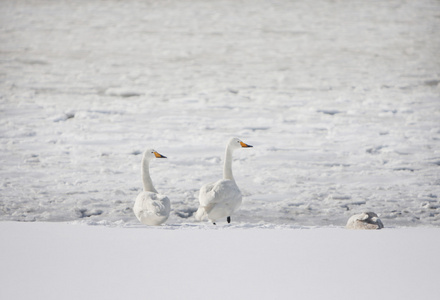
(366, 220)
(219, 200)
(152, 208)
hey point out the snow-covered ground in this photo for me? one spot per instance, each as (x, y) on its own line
(62, 261)
(340, 99)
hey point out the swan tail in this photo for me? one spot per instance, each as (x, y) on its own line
(200, 213)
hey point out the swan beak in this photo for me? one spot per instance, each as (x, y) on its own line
(159, 155)
(245, 145)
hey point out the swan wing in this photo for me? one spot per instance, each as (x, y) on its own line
(149, 205)
(207, 195)
(220, 193)
(215, 192)
(160, 206)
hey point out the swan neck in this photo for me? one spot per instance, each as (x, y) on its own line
(146, 179)
(227, 167)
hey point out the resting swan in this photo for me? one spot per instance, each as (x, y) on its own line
(366, 220)
(150, 207)
(220, 199)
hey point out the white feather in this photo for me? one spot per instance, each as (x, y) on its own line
(151, 208)
(220, 199)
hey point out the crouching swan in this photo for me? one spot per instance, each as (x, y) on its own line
(366, 220)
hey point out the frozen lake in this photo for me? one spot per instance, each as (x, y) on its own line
(341, 101)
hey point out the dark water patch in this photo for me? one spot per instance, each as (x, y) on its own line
(404, 169)
(64, 117)
(185, 213)
(337, 165)
(257, 128)
(330, 112)
(433, 82)
(105, 111)
(85, 213)
(375, 150)
(341, 197)
(33, 62)
(437, 163)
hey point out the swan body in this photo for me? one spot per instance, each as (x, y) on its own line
(150, 207)
(366, 220)
(218, 200)
(223, 197)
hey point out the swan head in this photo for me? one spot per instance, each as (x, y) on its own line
(150, 154)
(236, 143)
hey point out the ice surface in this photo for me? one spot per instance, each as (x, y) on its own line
(341, 101)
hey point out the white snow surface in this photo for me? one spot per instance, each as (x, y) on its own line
(61, 261)
(340, 99)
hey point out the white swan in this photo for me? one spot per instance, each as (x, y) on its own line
(150, 207)
(366, 220)
(220, 199)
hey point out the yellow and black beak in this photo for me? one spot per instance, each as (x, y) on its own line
(158, 155)
(245, 145)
